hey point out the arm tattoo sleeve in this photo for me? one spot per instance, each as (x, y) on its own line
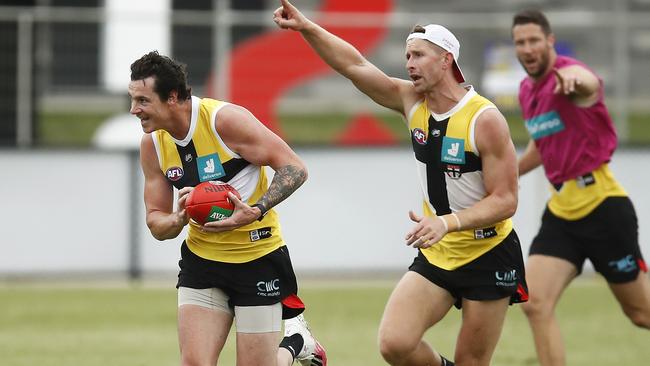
(285, 181)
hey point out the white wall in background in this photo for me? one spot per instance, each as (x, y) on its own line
(63, 211)
(66, 211)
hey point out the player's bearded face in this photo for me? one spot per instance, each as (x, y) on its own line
(542, 63)
(533, 49)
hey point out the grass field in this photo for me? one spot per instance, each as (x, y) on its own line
(135, 325)
(76, 129)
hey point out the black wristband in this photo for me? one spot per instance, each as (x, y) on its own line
(263, 210)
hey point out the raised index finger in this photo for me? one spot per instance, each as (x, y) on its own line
(285, 4)
(558, 75)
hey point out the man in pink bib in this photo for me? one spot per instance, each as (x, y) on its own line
(589, 215)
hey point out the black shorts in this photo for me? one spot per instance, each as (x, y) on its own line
(263, 281)
(608, 237)
(496, 274)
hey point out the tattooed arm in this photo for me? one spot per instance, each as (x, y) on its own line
(285, 181)
(253, 141)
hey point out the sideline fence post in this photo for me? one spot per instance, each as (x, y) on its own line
(24, 62)
(135, 264)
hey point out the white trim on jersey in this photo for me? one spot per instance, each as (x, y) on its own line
(213, 127)
(154, 138)
(246, 180)
(412, 111)
(461, 103)
(472, 125)
(196, 101)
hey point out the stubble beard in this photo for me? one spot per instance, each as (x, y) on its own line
(541, 69)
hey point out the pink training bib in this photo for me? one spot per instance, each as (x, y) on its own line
(571, 140)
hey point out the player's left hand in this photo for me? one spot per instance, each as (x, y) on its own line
(242, 215)
(426, 232)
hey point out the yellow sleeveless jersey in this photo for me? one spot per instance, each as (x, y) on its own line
(576, 198)
(451, 177)
(203, 156)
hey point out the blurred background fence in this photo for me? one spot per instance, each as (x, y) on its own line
(65, 63)
(64, 68)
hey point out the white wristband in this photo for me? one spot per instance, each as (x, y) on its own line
(457, 220)
(444, 222)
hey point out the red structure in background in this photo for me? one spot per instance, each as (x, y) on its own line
(364, 129)
(264, 68)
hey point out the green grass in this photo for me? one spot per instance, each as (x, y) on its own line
(77, 129)
(136, 325)
(323, 129)
(639, 133)
(68, 129)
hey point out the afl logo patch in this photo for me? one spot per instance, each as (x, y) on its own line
(174, 173)
(419, 136)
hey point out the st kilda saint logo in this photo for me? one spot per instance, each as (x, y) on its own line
(453, 171)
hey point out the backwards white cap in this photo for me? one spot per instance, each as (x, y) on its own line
(442, 37)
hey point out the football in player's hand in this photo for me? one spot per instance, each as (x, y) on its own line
(209, 201)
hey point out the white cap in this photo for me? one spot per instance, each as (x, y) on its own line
(442, 37)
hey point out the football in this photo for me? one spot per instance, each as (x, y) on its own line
(208, 201)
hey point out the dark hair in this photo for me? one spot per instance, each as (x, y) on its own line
(418, 29)
(532, 16)
(168, 74)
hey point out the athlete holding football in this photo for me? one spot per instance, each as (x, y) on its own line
(228, 271)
